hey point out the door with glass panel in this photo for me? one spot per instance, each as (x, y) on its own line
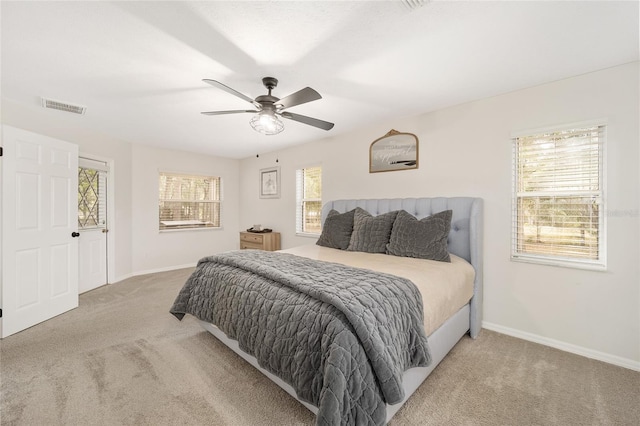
(92, 223)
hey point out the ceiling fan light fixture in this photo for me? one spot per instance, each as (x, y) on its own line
(267, 123)
(269, 109)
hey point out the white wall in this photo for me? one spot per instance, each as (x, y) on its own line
(68, 127)
(154, 250)
(466, 151)
(139, 246)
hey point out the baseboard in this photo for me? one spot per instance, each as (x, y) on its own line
(563, 346)
(152, 271)
(120, 278)
(165, 269)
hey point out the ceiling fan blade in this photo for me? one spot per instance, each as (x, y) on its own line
(300, 97)
(324, 125)
(237, 111)
(229, 90)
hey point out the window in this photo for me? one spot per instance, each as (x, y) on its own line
(558, 206)
(308, 200)
(187, 201)
(92, 200)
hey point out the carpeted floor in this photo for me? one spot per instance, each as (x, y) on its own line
(122, 359)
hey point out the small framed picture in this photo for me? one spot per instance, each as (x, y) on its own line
(270, 182)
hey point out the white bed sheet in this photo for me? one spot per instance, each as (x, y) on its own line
(445, 287)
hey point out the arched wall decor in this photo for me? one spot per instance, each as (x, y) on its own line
(394, 151)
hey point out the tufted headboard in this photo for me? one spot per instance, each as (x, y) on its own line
(465, 237)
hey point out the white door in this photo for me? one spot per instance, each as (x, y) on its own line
(92, 259)
(39, 253)
(92, 223)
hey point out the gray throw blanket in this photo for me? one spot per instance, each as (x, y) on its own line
(340, 336)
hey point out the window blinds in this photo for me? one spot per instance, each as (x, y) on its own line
(558, 197)
(308, 200)
(189, 201)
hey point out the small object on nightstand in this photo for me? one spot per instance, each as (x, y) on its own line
(262, 240)
(262, 231)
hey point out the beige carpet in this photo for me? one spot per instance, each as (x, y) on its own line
(121, 358)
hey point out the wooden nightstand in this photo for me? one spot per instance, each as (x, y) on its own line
(269, 241)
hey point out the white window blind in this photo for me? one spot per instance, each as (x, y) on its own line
(558, 205)
(189, 201)
(308, 200)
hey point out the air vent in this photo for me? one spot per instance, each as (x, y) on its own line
(63, 106)
(414, 4)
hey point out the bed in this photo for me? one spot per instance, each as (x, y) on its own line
(388, 361)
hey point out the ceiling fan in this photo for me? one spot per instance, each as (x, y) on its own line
(269, 108)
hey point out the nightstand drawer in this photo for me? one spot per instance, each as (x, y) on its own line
(254, 246)
(251, 238)
(269, 241)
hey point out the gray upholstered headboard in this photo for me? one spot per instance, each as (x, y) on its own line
(465, 238)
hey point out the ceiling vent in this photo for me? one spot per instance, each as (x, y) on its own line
(63, 106)
(414, 4)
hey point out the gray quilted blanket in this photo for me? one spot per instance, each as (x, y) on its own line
(340, 336)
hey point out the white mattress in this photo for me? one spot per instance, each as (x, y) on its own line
(445, 287)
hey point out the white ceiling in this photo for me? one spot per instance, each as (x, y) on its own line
(138, 66)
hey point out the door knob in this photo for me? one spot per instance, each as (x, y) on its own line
(75, 234)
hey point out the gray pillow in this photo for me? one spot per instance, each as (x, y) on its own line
(424, 239)
(336, 231)
(371, 233)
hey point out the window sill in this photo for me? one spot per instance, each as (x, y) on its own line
(307, 235)
(169, 231)
(599, 267)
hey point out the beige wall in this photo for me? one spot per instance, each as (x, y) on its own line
(465, 151)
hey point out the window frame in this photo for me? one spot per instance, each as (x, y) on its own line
(599, 264)
(101, 173)
(218, 201)
(300, 200)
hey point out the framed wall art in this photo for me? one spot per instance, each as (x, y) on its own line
(270, 182)
(394, 151)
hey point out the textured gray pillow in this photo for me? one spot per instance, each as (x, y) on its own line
(371, 233)
(336, 231)
(424, 239)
